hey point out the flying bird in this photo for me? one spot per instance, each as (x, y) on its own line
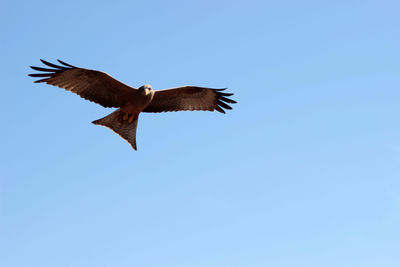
(101, 88)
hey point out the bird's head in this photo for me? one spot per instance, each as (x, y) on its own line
(146, 89)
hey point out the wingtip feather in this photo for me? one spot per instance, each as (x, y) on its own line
(44, 61)
(65, 64)
(219, 109)
(41, 81)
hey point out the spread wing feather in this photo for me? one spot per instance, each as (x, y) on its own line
(190, 98)
(92, 85)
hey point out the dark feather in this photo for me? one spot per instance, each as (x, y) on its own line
(222, 104)
(227, 100)
(225, 94)
(42, 80)
(41, 74)
(53, 65)
(219, 109)
(66, 64)
(44, 69)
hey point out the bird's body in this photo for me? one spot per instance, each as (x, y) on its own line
(102, 89)
(143, 96)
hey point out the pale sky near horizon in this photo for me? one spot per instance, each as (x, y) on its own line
(304, 171)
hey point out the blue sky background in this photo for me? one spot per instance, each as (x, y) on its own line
(304, 171)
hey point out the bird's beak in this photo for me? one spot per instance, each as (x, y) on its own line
(146, 91)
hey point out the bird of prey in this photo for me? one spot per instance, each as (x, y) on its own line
(101, 88)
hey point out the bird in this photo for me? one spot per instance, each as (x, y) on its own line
(99, 87)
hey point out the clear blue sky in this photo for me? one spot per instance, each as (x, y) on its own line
(304, 171)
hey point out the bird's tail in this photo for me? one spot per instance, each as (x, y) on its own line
(122, 124)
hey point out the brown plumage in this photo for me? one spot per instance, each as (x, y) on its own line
(101, 88)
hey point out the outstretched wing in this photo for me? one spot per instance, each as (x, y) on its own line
(189, 98)
(91, 85)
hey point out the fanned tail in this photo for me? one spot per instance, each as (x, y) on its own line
(121, 124)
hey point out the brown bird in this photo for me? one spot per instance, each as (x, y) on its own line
(101, 88)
